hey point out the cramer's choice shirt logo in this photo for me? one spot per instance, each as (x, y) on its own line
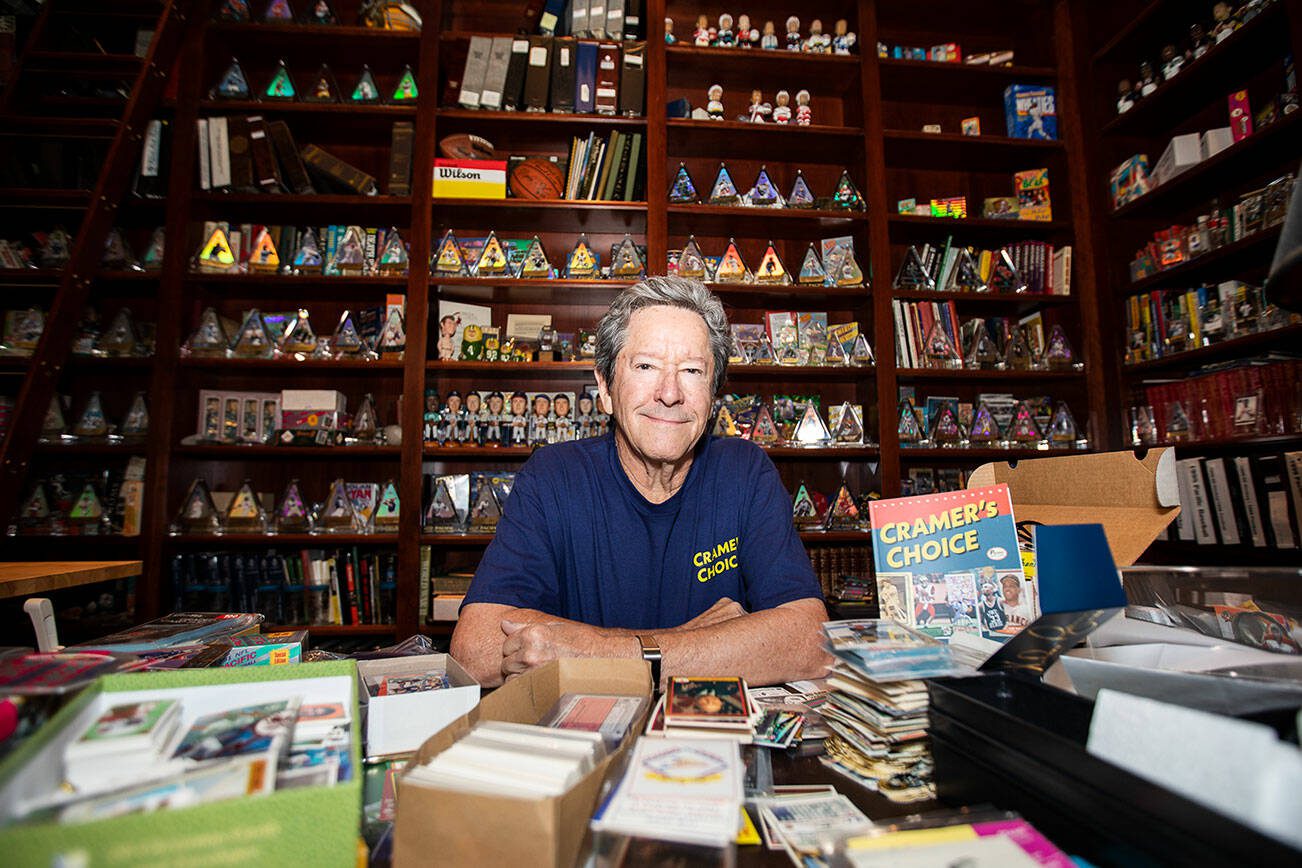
(716, 561)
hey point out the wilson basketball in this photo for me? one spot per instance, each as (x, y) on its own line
(537, 178)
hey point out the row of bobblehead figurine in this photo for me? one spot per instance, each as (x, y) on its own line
(759, 111)
(841, 41)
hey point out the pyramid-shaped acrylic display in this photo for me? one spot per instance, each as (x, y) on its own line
(847, 195)
(264, 259)
(1004, 276)
(253, 341)
(449, 260)
(834, 354)
(800, 196)
(324, 87)
(153, 258)
(388, 509)
(87, 513)
(365, 90)
(405, 91)
(117, 255)
(764, 193)
(281, 87)
(1023, 431)
(233, 84)
(627, 263)
(366, 425)
(763, 353)
(53, 426)
(913, 274)
(967, 274)
(27, 334)
(862, 353)
(245, 513)
(57, 249)
(909, 427)
(582, 262)
(811, 430)
(486, 511)
(765, 430)
(737, 354)
(982, 355)
(299, 338)
(198, 514)
(724, 424)
(984, 433)
(724, 191)
(34, 514)
(216, 255)
(92, 424)
(1063, 433)
(842, 267)
(1143, 426)
(1059, 356)
(347, 341)
(393, 258)
(441, 515)
(790, 354)
(1179, 427)
(844, 514)
(292, 515)
(320, 12)
(393, 337)
(308, 258)
(535, 263)
(691, 262)
(771, 270)
(278, 11)
(236, 11)
(119, 339)
(350, 254)
(848, 430)
(1017, 354)
(337, 513)
(945, 428)
(804, 511)
(209, 340)
(731, 268)
(135, 425)
(684, 189)
(939, 351)
(811, 269)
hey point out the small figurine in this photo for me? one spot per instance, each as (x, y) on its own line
(1125, 96)
(1172, 62)
(758, 108)
(564, 423)
(1248, 11)
(715, 106)
(1224, 22)
(1148, 80)
(769, 41)
(843, 39)
(670, 39)
(782, 110)
(1198, 42)
(747, 36)
(724, 37)
(701, 36)
(804, 114)
(793, 33)
(817, 43)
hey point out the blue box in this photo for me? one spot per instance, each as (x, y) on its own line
(1031, 111)
(585, 77)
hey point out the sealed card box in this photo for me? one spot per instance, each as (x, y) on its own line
(400, 724)
(1030, 111)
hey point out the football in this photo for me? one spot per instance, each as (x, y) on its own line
(464, 146)
(537, 178)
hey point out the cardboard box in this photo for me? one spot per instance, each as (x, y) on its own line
(316, 825)
(446, 607)
(469, 179)
(313, 400)
(267, 649)
(400, 724)
(1184, 152)
(1133, 499)
(466, 829)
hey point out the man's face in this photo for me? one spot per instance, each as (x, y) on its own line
(663, 383)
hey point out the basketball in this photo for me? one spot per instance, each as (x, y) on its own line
(537, 178)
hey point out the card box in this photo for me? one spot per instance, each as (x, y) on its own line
(399, 724)
(469, 179)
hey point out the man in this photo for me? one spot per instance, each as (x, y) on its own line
(652, 538)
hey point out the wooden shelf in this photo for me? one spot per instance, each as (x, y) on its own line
(955, 83)
(1222, 262)
(828, 453)
(939, 455)
(559, 205)
(1232, 348)
(332, 109)
(333, 630)
(43, 197)
(746, 219)
(1233, 444)
(810, 134)
(456, 540)
(510, 367)
(349, 35)
(57, 127)
(331, 206)
(946, 374)
(324, 540)
(912, 225)
(268, 283)
(1021, 300)
(81, 64)
(112, 450)
(918, 150)
(517, 453)
(279, 366)
(863, 537)
(1137, 24)
(696, 57)
(531, 119)
(800, 372)
(235, 452)
(762, 294)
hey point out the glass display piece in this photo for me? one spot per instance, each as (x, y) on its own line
(844, 514)
(57, 249)
(245, 513)
(278, 10)
(292, 515)
(909, 427)
(763, 193)
(135, 425)
(337, 513)
(684, 189)
(88, 512)
(982, 355)
(984, 432)
(582, 262)
(1143, 426)
(737, 354)
(804, 511)
(209, 340)
(350, 254)
(849, 428)
(535, 263)
(487, 511)
(347, 341)
(800, 196)
(1179, 428)
(724, 191)
(862, 353)
(765, 430)
(1059, 355)
(835, 354)
(34, 513)
(847, 195)
(945, 428)
(771, 270)
(388, 509)
(88, 332)
(252, 341)
(119, 339)
(233, 10)
(320, 12)
(324, 87)
(406, 89)
(939, 351)
(365, 91)
(393, 337)
(26, 333)
(790, 353)
(967, 273)
(92, 424)
(731, 268)
(153, 258)
(1023, 430)
(117, 255)
(1063, 433)
(1017, 353)
(493, 261)
(233, 83)
(366, 424)
(264, 259)
(763, 353)
(53, 426)
(216, 254)
(308, 257)
(724, 424)
(449, 261)
(811, 430)
(281, 87)
(198, 514)
(811, 269)
(842, 267)
(8, 257)
(913, 274)
(1004, 276)
(393, 258)
(691, 263)
(299, 338)
(627, 263)
(441, 515)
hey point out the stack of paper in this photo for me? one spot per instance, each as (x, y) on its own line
(318, 753)
(706, 708)
(179, 628)
(807, 826)
(127, 743)
(887, 650)
(255, 737)
(513, 759)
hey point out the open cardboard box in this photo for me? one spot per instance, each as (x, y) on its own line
(399, 724)
(469, 829)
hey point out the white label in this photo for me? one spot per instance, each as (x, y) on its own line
(490, 98)
(608, 62)
(149, 157)
(521, 46)
(596, 12)
(633, 60)
(565, 57)
(585, 95)
(538, 56)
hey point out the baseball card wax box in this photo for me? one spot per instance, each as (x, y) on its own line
(1030, 111)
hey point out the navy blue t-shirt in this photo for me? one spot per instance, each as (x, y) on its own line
(577, 540)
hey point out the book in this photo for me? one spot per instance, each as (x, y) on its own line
(240, 149)
(404, 137)
(205, 154)
(561, 90)
(499, 57)
(291, 163)
(475, 72)
(336, 172)
(606, 93)
(219, 152)
(516, 69)
(585, 77)
(178, 628)
(632, 79)
(538, 70)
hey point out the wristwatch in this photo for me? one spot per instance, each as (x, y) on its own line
(651, 654)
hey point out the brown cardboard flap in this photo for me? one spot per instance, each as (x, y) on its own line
(1134, 499)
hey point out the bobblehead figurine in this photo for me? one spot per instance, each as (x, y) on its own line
(670, 39)
(701, 36)
(793, 33)
(804, 114)
(782, 109)
(843, 39)
(725, 38)
(747, 36)
(769, 41)
(759, 109)
(715, 105)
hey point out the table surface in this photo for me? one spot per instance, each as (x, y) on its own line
(24, 578)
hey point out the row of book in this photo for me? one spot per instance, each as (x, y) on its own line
(606, 169)
(1248, 500)
(540, 73)
(1166, 322)
(1021, 267)
(929, 334)
(311, 586)
(1245, 398)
